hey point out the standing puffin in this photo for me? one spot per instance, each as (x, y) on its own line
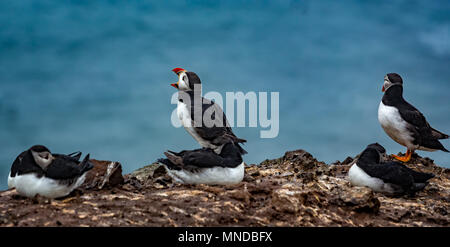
(203, 119)
(204, 166)
(38, 171)
(392, 177)
(404, 123)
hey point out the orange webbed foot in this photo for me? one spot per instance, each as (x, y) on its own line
(405, 158)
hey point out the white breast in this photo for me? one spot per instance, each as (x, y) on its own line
(11, 183)
(393, 124)
(184, 115)
(214, 175)
(358, 177)
(30, 185)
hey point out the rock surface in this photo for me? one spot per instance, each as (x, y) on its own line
(104, 174)
(294, 190)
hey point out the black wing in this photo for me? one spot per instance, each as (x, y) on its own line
(218, 130)
(199, 158)
(411, 115)
(391, 172)
(424, 134)
(204, 158)
(73, 157)
(421, 177)
(396, 173)
(64, 167)
(174, 160)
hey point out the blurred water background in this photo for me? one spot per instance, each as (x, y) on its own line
(94, 75)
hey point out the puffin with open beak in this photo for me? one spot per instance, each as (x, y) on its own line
(203, 119)
(404, 123)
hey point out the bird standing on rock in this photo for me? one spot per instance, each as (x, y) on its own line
(404, 123)
(38, 171)
(203, 119)
(391, 177)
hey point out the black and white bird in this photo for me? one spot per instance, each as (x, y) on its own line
(38, 171)
(392, 177)
(404, 123)
(204, 166)
(203, 119)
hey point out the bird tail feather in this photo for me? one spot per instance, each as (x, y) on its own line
(86, 165)
(439, 135)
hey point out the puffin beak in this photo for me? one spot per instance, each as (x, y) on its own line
(178, 70)
(382, 89)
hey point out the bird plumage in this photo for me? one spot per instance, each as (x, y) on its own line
(205, 166)
(392, 177)
(202, 118)
(423, 135)
(62, 175)
(404, 123)
(215, 129)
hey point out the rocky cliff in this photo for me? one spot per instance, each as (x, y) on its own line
(294, 190)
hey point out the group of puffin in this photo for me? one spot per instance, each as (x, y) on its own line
(407, 126)
(219, 161)
(37, 171)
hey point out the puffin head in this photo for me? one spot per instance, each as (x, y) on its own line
(41, 155)
(390, 80)
(186, 80)
(378, 149)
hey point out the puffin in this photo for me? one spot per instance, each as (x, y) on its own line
(205, 166)
(372, 169)
(38, 171)
(203, 119)
(404, 123)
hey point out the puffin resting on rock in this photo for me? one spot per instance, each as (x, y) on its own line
(204, 166)
(37, 171)
(390, 177)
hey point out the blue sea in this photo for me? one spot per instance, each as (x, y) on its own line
(93, 76)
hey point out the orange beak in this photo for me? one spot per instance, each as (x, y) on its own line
(175, 85)
(382, 89)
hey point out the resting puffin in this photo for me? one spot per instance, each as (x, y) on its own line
(404, 123)
(203, 119)
(204, 166)
(392, 177)
(38, 171)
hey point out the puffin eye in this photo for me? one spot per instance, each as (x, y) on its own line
(185, 79)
